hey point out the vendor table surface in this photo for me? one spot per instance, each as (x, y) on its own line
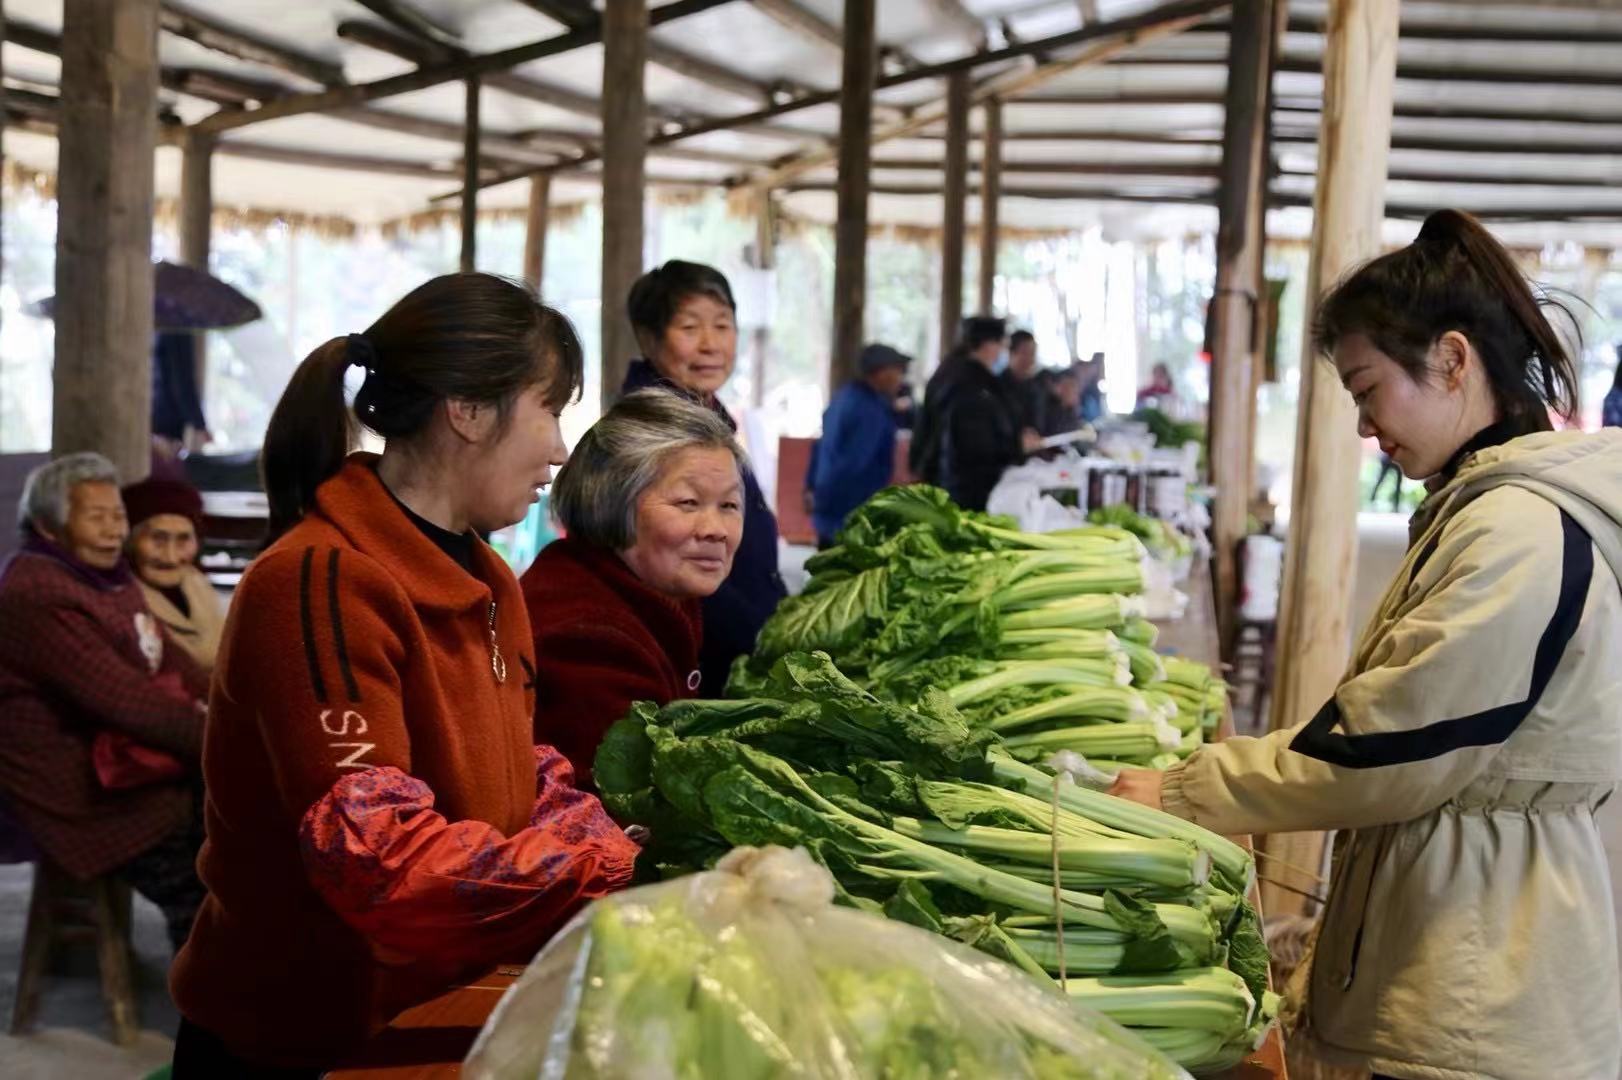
(430, 1041)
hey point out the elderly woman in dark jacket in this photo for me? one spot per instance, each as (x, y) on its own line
(651, 503)
(686, 323)
(99, 751)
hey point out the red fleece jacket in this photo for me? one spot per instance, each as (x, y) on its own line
(379, 823)
(603, 640)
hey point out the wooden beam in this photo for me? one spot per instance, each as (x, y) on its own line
(197, 223)
(766, 262)
(535, 223)
(1240, 248)
(413, 22)
(102, 382)
(1105, 41)
(470, 178)
(1168, 18)
(1414, 71)
(1321, 555)
(571, 13)
(453, 71)
(183, 22)
(796, 16)
(1061, 168)
(991, 169)
(969, 28)
(625, 103)
(1100, 194)
(692, 66)
(954, 205)
(1087, 10)
(1460, 33)
(858, 77)
(333, 159)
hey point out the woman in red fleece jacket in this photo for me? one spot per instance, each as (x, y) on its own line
(379, 822)
(652, 505)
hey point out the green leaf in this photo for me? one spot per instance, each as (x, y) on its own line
(624, 762)
(913, 905)
(833, 619)
(1247, 951)
(747, 810)
(889, 786)
(708, 716)
(1151, 947)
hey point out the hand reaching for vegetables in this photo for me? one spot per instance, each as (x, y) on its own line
(1138, 785)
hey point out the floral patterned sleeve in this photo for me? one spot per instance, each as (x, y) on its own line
(463, 894)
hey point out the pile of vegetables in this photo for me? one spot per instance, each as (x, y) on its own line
(1163, 541)
(905, 720)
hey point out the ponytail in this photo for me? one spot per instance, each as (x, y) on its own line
(1456, 276)
(468, 337)
(309, 435)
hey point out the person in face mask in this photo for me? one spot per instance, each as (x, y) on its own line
(164, 522)
(969, 432)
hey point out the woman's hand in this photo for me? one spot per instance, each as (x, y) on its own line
(1139, 785)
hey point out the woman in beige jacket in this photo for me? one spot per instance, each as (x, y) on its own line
(1469, 933)
(165, 520)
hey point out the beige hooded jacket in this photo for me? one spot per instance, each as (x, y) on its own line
(1469, 931)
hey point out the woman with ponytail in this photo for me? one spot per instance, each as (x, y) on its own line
(379, 823)
(1469, 931)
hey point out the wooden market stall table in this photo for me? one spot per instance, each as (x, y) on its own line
(430, 1041)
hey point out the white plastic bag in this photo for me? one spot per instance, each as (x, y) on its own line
(750, 972)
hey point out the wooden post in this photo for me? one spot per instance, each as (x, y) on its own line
(540, 202)
(1240, 244)
(956, 197)
(990, 203)
(197, 222)
(765, 261)
(102, 389)
(625, 117)
(470, 179)
(855, 157)
(1360, 55)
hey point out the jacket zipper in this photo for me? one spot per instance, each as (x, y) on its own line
(1363, 916)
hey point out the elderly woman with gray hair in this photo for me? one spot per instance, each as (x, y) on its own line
(103, 729)
(651, 505)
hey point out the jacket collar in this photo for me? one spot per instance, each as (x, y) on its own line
(642, 375)
(361, 508)
(104, 580)
(664, 614)
(1492, 435)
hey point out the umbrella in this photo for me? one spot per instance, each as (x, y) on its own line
(184, 299)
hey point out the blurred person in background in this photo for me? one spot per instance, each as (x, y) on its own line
(1612, 412)
(685, 318)
(165, 519)
(1024, 382)
(855, 457)
(1092, 388)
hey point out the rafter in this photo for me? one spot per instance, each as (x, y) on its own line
(967, 27)
(183, 22)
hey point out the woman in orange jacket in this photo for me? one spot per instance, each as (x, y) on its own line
(379, 823)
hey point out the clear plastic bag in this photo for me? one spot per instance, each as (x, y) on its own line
(749, 972)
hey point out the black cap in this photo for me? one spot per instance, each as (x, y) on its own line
(878, 357)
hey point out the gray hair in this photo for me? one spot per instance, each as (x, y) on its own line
(44, 501)
(595, 495)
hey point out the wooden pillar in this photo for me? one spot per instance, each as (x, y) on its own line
(1242, 212)
(470, 179)
(102, 388)
(540, 204)
(855, 162)
(1320, 558)
(625, 117)
(955, 203)
(990, 203)
(765, 261)
(197, 222)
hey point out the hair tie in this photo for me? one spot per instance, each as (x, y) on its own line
(359, 352)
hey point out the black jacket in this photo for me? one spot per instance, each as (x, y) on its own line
(734, 615)
(968, 432)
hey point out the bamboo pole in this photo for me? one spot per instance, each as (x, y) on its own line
(855, 154)
(625, 114)
(1241, 245)
(991, 169)
(102, 384)
(954, 204)
(540, 202)
(1321, 555)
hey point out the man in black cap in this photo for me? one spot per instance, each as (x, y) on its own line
(855, 458)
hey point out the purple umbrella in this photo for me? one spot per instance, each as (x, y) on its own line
(184, 299)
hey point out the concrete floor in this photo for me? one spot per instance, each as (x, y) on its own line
(72, 1039)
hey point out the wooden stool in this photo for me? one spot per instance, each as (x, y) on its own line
(64, 909)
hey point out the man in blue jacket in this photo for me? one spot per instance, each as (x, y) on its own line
(856, 456)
